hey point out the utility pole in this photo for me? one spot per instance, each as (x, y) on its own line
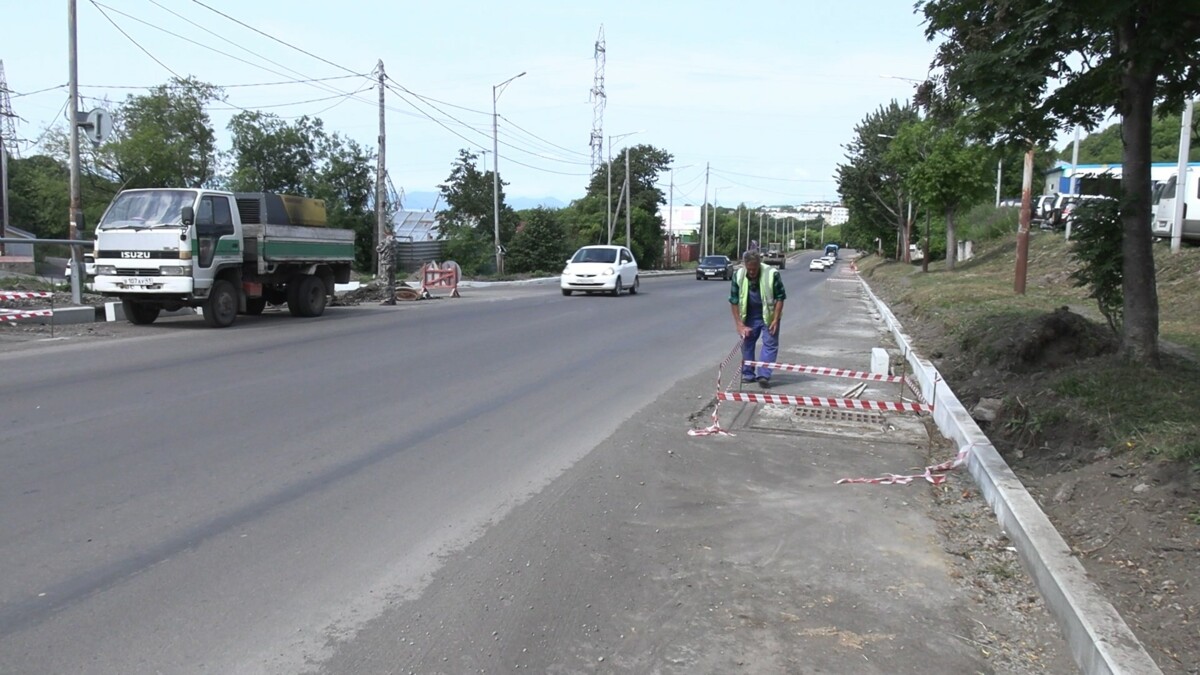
(760, 241)
(671, 224)
(1022, 228)
(76, 215)
(704, 215)
(381, 177)
(497, 89)
(608, 214)
(628, 192)
(1185, 145)
(738, 250)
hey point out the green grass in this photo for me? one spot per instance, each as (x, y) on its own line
(1126, 406)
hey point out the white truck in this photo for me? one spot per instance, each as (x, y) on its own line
(1162, 215)
(165, 249)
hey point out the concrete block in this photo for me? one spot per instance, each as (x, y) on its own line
(879, 362)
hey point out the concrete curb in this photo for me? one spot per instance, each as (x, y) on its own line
(1099, 639)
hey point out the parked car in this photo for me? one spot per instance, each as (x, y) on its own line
(1041, 209)
(713, 266)
(1068, 213)
(609, 269)
(817, 265)
(89, 270)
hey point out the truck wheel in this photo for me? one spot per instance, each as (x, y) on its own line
(255, 306)
(138, 313)
(221, 307)
(306, 296)
(274, 295)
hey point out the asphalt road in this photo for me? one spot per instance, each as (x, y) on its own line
(199, 500)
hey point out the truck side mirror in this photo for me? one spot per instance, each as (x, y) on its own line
(187, 215)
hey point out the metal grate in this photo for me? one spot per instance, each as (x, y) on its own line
(833, 415)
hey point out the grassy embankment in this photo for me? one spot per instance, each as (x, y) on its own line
(1124, 406)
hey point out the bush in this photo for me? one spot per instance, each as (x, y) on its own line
(1097, 237)
(985, 222)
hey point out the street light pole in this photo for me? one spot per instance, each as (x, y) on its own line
(497, 89)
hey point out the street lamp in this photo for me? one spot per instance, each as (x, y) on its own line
(497, 89)
(609, 214)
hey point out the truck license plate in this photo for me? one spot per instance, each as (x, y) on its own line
(139, 281)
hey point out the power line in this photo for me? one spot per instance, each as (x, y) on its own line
(530, 133)
(789, 180)
(221, 86)
(130, 38)
(14, 94)
(272, 37)
(285, 105)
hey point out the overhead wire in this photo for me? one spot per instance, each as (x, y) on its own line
(154, 58)
(789, 180)
(13, 94)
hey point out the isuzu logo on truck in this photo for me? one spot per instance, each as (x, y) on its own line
(135, 254)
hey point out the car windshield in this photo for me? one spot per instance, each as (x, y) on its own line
(595, 255)
(713, 260)
(144, 209)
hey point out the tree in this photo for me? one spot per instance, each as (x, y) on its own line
(1000, 57)
(468, 223)
(40, 196)
(271, 155)
(942, 170)
(345, 178)
(163, 138)
(870, 187)
(1104, 147)
(539, 244)
(646, 164)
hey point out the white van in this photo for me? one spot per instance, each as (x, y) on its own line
(1163, 208)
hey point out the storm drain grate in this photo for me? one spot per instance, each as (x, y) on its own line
(832, 415)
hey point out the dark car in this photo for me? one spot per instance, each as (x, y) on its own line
(714, 266)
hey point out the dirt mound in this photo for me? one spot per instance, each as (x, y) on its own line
(1051, 341)
(376, 292)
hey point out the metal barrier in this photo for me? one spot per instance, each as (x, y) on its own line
(440, 277)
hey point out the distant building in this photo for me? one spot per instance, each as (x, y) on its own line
(1058, 179)
(839, 215)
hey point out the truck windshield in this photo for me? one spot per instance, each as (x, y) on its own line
(142, 209)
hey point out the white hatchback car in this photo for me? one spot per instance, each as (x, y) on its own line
(610, 269)
(817, 265)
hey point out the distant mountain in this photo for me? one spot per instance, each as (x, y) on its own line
(423, 201)
(522, 203)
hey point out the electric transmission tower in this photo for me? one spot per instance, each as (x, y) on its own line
(8, 141)
(598, 101)
(8, 126)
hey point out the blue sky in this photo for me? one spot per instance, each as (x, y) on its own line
(767, 91)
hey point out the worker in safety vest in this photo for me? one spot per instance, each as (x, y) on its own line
(756, 298)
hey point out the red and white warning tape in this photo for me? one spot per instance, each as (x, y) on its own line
(715, 429)
(9, 315)
(24, 295)
(936, 474)
(828, 372)
(915, 387)
(819, 402)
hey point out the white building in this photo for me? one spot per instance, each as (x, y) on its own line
(839, 215)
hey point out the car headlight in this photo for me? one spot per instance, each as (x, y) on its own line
(608, 271)
(106, 270)
(176, 270)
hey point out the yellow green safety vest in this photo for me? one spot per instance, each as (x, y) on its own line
(766, 290)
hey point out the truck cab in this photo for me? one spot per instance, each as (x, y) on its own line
(165, 249)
